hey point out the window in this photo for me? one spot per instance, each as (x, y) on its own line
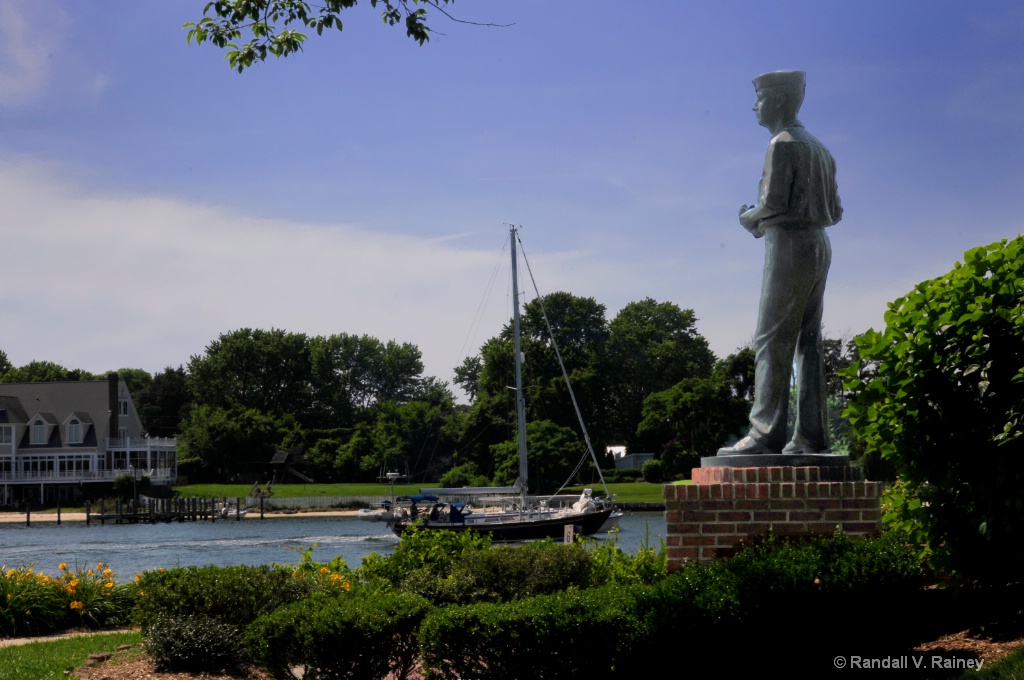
(5, 434)
(122, 407)
(74, 432)
(38, 432)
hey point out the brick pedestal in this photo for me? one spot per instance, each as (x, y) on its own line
(724, 506)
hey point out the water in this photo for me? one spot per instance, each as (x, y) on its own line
(132, 548)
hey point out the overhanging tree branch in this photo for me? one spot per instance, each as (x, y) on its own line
(225, 22)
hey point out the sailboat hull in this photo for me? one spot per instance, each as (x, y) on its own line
(506, 528)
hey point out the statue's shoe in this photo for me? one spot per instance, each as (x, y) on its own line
(745, 447)
(793, 448)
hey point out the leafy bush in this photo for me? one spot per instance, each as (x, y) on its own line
(769, 588)
(34, 603)
(653, 471)
(419, 549)
(361, 636)
(946, 407)
(699, 605)
(611, 564)
(194, 643)
(503, 573)
(571, 634)
(463, 475)
(234, 595)
(775, 569)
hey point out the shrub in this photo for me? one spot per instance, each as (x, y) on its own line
(463, 475)
(611, 564)
(419, 549)
(946, 407)
(340, 637)
(571, 634)
(194, 643)
(653, 471)
(234, 595)
(503, 573)
(697, 606)
(774, 568)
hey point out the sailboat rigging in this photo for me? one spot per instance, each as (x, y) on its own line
(526, 518)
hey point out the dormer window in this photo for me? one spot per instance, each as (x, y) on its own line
(38, 435)
(5, 434)
(74, 432)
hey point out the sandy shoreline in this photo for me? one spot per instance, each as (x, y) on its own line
(51, 517)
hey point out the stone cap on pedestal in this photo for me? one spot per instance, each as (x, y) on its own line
(775, 460)
(763, 474)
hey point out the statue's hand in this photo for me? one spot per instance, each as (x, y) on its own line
(747, 217)
(749, 220)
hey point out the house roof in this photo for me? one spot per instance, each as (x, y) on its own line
(58, 398)
(11, 410)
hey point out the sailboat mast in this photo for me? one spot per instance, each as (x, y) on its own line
(520, 401)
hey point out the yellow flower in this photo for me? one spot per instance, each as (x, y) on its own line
(110, 584)
(11, 572)
(74, 583)
(63, 566)
(99, 566)
(323, 570)
(77, 605)
(138, 577)
(161, 570)
(108, 572)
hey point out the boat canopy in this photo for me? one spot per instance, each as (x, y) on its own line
(418, 498)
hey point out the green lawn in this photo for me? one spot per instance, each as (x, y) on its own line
(295, 490)
(47, 660)
(629, 492)
(635, 492)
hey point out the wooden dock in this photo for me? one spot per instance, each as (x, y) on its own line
(161, 510)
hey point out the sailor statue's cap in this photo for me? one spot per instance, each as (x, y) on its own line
(790, 80)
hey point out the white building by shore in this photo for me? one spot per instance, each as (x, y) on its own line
(57, 437)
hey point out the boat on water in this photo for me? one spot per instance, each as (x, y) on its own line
(231, 510)
(514, 515)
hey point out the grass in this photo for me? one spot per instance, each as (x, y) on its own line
(46, 660)
(1010, 667)
(295, 490)
(630, 492)
(634, 492)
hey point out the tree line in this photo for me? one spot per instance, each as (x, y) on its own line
(358, 406)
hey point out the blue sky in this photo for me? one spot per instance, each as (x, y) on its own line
(154, 199)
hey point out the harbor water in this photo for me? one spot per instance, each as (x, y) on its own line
(133, 548)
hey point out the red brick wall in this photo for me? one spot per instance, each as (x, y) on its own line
(724, 506)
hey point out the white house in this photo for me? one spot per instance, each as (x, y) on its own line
(56, 437)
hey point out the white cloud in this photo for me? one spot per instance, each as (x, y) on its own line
(29, 33)
(105, 282)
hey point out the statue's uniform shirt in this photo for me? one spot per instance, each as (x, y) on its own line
(799, 185)
(799, 181)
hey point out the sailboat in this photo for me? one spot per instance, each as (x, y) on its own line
(523, 518)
